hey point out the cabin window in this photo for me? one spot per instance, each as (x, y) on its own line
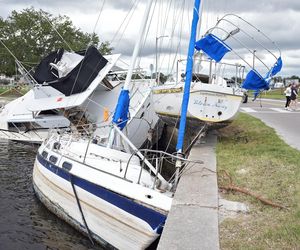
(45, 154)
(53, 159)
(67, 166)
(49, 112)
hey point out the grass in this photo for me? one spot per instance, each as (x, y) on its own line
(8, 91)
(271, 94)
(271, 169)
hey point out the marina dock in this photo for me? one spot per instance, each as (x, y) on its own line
(193, 220)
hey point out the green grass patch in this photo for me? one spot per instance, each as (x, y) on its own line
(271, 94)
(271, 169)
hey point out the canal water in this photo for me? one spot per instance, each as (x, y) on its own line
(24, 222)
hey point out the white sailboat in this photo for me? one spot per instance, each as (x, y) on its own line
(215, 99)
(101, 184)
(60, 95)
(63, 96)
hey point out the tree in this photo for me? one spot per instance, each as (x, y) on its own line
(31, 35)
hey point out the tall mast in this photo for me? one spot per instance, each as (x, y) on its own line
(120, 116)
(188, 78)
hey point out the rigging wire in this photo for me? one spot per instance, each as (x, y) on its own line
(100, 12)
(81, 63)
(53, 27)
(125, 22)
(146, 34)
(17, 61)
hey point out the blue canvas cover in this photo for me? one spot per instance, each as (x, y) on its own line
(122, 110)
(255, 81)
(214, 47)
(277, 67)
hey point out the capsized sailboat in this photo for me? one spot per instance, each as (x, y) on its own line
(215, 96)
(66, 85)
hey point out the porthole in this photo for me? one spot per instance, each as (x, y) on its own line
(67, 166)
(44, 154)
(149, 196)
(53, 159)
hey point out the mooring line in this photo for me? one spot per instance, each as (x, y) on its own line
(80, 209)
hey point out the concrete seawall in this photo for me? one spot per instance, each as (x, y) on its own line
(193, 220)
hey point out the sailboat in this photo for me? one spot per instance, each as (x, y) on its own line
(101, 183)
(74, 89)
(214, 98)
(60, 95)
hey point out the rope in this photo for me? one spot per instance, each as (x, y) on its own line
(80, 209)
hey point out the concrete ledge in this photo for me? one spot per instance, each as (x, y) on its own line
(193, 220)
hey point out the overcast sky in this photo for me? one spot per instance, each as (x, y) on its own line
(279, 19)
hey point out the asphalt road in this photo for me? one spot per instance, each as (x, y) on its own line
(272, 113)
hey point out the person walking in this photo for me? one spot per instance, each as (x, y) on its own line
(288, 92)
(294, 95)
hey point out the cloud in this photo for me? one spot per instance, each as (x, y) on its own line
(278, 19)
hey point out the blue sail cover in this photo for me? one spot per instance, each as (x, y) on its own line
(255, 81)
(122, 110)
(212, 46)
(277, 66)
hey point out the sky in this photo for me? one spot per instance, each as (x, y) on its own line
(276, 18)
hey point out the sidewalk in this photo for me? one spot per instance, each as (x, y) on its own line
(193, 220)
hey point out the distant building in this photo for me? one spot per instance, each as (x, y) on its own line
(278, 85)
(6, 80)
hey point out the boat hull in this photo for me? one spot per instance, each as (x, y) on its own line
(211, 104)
(111, 225)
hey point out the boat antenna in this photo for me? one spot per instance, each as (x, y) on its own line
(187, 85)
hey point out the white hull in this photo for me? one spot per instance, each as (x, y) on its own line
(209, 103)
(141, 108)
(114, 219)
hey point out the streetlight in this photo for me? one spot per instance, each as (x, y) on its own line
(156, 58)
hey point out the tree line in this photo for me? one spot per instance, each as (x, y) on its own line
(32, 34)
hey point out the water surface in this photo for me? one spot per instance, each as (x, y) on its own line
(24, 222)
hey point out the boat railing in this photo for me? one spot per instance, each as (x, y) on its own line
(208, 71)
(151, 161)
(245, 39)
(159, 159)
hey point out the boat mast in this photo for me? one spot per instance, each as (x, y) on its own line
(187, 85)
(188, 77)
(138, 45)
(120, 116)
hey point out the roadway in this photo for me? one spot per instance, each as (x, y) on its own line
(272, 113)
